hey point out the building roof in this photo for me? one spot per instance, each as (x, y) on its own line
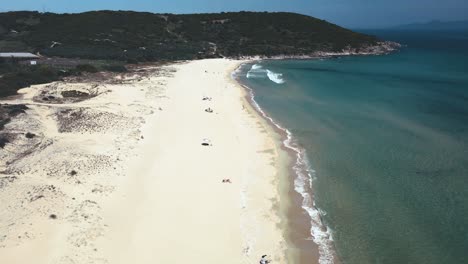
(17, 55)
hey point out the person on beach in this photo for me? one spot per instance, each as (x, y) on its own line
(264, 260)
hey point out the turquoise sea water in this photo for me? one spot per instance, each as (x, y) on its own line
(387, 137)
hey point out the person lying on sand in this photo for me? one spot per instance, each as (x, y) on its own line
(209, 110)
(206, 142)
(264, 260)
(227, 181)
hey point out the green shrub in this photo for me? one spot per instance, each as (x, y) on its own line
(115, 68)
(3, 122)
(74, 93)
(30, 135)
(86, 68)
(3, 141)
(24, 76)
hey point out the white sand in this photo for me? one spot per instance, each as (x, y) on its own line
(146, 190)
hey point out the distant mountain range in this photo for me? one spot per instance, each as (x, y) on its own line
(436, 25)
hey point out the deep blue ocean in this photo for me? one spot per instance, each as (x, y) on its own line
(387, 137)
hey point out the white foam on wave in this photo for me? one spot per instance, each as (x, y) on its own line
(251, 75)
(275, 77)
(321, 234)
(257, 71)
(256, 67)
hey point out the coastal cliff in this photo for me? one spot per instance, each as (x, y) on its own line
(379, 48)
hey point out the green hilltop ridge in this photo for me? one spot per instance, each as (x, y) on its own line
(137, 36)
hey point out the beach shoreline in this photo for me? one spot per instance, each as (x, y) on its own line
(121, 176)
(300, 213)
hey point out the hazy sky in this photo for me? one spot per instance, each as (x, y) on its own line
(348, 13)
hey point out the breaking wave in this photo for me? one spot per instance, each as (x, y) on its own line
(257, 71)
(275, 77)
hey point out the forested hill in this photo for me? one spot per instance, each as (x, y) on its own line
(124, 35)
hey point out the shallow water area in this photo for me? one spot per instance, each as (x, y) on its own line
(382, 142)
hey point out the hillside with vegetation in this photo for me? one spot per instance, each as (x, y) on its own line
(136, 36)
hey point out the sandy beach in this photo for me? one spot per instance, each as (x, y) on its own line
(116, 172)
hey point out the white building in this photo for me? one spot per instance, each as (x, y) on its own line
(18, 55)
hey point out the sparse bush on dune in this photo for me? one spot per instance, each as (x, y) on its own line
(24, 76)
(3, 142)
(17, 76)
(6, 113)
(74, 93)
(3, 122)
(86, 68)
(115, 68)
(30, 135)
